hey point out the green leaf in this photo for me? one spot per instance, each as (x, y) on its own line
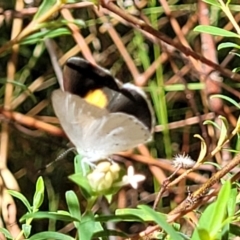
(6, 233)
(39, 194)
(21, 198)
(44, 7)
(98, 228)
(232, 202)
(50, 235)
(61, 216)
(228, 45)
(78, 164)
(52, 33)
(61, 22)
(238, 126)
(21, 85)
(213, 3)
(136, 214)
(203, 150)
(213, 123)
(235, 53)
(183, 87)
(107, 233)
(220, 210)
(82, 181)
(161, 222)
(121, 216)
(26, 230)
(224, 131)
(235, 70)
(87, 226)
(73, 205)
(39, 36)
(211, 220)
(74, 208)
(233, 102)
(215, 31)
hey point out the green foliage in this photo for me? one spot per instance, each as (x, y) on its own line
(212, 225)
(216, 31)
(218, 220)
(222, 32)
(212, 221)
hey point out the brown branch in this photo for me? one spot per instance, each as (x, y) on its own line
(184, 207)
(149, 29)
(32, 122)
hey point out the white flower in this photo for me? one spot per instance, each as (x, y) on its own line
(102, 177)
(183, 161)
(132, 179)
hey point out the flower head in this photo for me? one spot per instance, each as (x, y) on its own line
(183, 161)
(102, 177)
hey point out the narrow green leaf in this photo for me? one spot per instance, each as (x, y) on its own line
(120, 216)
(39, 194)
(74, 208)
(81, 166)
(213, 3)
(44, 7)
(6, 233)
(224, 131)
(211, 220)
(50, 235)
(141, 49)
(82, 181)
(232, 202)
(78, 164)
(234, 53)
(21, 85)
(161, 222)
(107, 233)
(238, 125)
(233, 102)
(21, 198)
(203, 150)
(87, 226)
(213, 123)
(215, 31)
(227, 45)
(182, 87)
(60, 23)
(138, 214)
(73, 205)
(49, 215)
(220, 209)
(52, 33)
(236, 70)
(39, 36)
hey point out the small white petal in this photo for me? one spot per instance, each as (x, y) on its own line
(130, 171)
(136, 179)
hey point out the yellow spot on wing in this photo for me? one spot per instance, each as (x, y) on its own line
(97, 98)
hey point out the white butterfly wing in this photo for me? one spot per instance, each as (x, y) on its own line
(116, 132)
(95, 132)
(75, 115)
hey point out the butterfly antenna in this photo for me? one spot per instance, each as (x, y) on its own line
(60, 157)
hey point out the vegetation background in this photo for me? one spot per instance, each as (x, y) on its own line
(150, 43)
